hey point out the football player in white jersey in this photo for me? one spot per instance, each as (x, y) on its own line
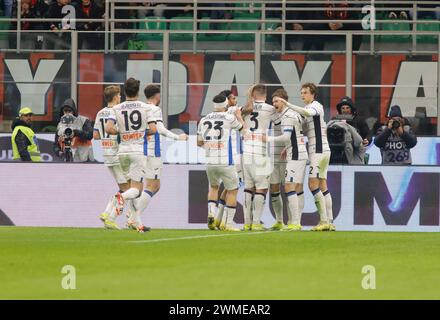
(257, 164)
(131, 120)
(296, 154)
(279, 164)
(109, 144)
(319, 154)
(214, 134)
(237, 150)
(152, 148)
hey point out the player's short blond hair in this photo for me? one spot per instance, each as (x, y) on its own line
(259, 89)
(111, 92)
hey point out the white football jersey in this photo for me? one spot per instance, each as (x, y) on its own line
(132, 119)
(258, 122)
(315, 129)
(215, 129)
(277, 147)
(109, 142)
(291, 122)
(153, 148)
(237, 142)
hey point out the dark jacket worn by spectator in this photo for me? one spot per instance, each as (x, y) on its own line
(88, 9)
(55, 12)
(395, 139)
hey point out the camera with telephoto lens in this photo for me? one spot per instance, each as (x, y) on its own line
(336, 141)
(66, 131)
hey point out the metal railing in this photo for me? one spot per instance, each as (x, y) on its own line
(112, 7)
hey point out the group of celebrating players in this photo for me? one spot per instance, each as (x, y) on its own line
(130, 137)
(260, 169)
(236, 142)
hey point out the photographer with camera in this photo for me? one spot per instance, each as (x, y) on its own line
(395, 139)
(346, 144)
(348, 135)
(73, 138)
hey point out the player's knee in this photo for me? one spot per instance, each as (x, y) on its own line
(275, 188)
(232, 191)
(313, 185)
(288, 187)
(249, 190)
(323, 184)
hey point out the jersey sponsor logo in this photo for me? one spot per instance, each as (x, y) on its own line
(214, 145)
(108, 143)
(253, 137)
(131, 136)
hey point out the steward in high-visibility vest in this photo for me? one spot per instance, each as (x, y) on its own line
(24, 142)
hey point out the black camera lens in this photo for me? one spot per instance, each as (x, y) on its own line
(68, 132)
(396, 124)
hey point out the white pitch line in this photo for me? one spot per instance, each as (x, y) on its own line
(202, 237)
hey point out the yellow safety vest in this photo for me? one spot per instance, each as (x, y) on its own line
(33, 149)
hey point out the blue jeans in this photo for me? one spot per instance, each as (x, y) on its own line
(7, 7)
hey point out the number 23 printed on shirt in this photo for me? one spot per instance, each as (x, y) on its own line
(217, 126)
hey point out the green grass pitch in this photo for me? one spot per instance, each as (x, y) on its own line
(203, 264)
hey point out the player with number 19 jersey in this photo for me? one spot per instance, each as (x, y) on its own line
(132, 118)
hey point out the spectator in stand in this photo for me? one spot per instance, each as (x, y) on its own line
(291, 14)
(7, 7)
(30, 9)
(27, 12)
(339, 11)
(397, 14)
(87, 9)
(432, 11)
(335, 11)
(151, 9)
(59, 40)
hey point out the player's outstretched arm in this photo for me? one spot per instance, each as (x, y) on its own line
(302, 111)
(284, 138)
(162, 130)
